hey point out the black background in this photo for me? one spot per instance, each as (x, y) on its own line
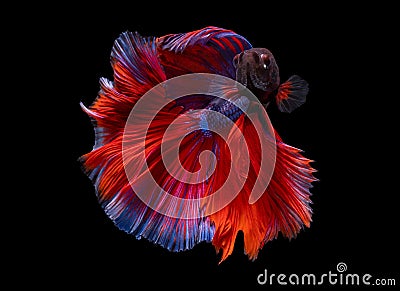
(348, 126)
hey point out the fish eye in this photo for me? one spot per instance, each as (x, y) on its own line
(266, 61)
(266, 64)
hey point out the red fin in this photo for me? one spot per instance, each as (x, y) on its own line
(207, 50)
(137, 70)
(135, 64)
(109, 172)
(291, 94)
(284, 207)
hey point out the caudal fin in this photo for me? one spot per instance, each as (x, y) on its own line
(137, 70)
(284, 207)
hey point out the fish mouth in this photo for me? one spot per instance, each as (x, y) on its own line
(255, 82)
(248, 77)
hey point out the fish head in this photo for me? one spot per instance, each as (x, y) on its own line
(256, 68)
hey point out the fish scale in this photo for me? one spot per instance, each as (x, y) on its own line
(210, 122)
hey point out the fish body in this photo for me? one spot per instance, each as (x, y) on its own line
(141, 63)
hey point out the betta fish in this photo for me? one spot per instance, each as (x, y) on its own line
(141, 63)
